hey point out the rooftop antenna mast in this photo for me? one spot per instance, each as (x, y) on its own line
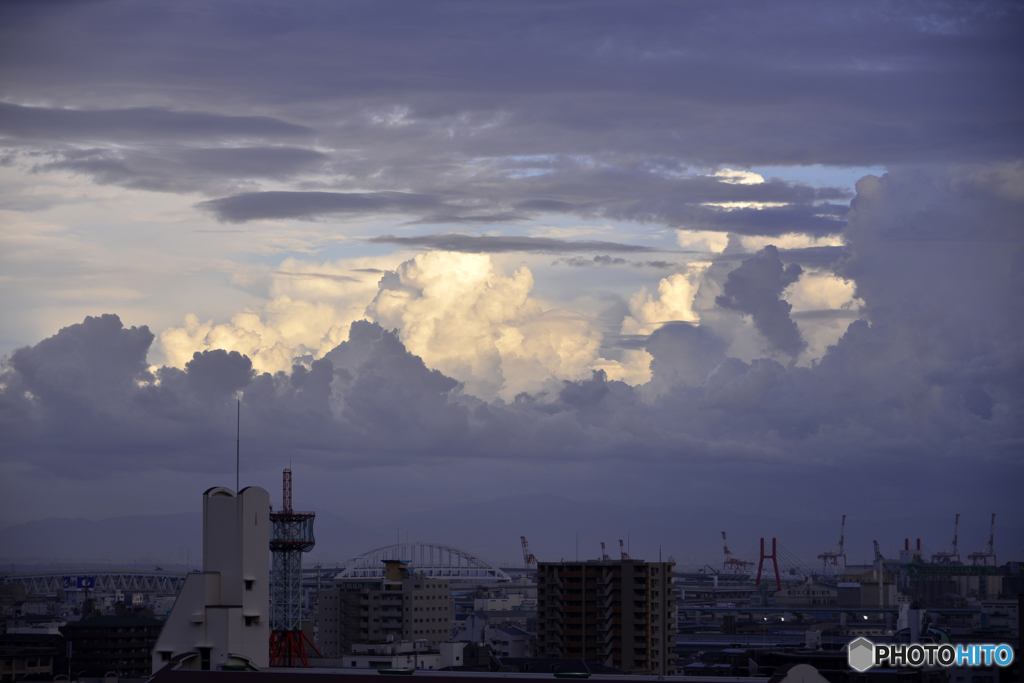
(238, 442)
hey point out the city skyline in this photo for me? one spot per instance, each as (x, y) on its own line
(699, 258)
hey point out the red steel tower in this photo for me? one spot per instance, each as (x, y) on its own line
(292, 536)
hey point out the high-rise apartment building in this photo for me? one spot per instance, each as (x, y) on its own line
(402, 606)
(617, 612)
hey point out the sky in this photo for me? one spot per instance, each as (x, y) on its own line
(758, 257)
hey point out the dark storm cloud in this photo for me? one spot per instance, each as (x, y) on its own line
(756, 288)
(606, 260)
(811, 257)
(620, 189)
(585, 110)
(183, 170)
(94, 358)
(683, 353)
(276, 205)
(490, 244)
(682, 203)
(258, 162)
(654, 78)
(826, 314)
(216, 375)
(814, 257)
(599, 260)
(145, 124)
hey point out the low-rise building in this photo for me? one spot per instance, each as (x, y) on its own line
(417, 654)
(36, 655)
(511, 641)
(809, 594)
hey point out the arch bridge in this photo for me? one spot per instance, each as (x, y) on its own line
(429, 559)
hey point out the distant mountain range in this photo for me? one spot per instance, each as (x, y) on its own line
(492, 531)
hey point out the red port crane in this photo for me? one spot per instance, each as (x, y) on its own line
(982, 557)
(529, 560)
(733, 564)
(831, 557)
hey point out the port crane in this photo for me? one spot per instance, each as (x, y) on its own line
(529, 560)
(622, 551)
(604, 554)
(831, 557)
(733, 564)
(951, 556)
(981, 557)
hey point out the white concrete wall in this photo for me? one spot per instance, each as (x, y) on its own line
(452, 654)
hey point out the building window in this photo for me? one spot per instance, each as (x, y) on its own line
(248, 584)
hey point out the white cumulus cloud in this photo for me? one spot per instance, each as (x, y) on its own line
(473, 323)
(673, 303)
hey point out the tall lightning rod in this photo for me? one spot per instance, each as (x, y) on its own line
(238, 442)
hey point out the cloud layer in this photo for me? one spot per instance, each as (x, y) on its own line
(410, 237)
(927, 379)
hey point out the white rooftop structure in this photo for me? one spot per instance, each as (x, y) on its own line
(222, 615)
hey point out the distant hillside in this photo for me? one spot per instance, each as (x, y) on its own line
(135, 538)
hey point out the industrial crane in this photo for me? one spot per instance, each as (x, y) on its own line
(951, 556)
(529, 561)
(604, 555)
(981, 557)
(831, 557)
(733, 564)
(622, 551)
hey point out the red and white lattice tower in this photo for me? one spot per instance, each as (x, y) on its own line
(292, 536)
